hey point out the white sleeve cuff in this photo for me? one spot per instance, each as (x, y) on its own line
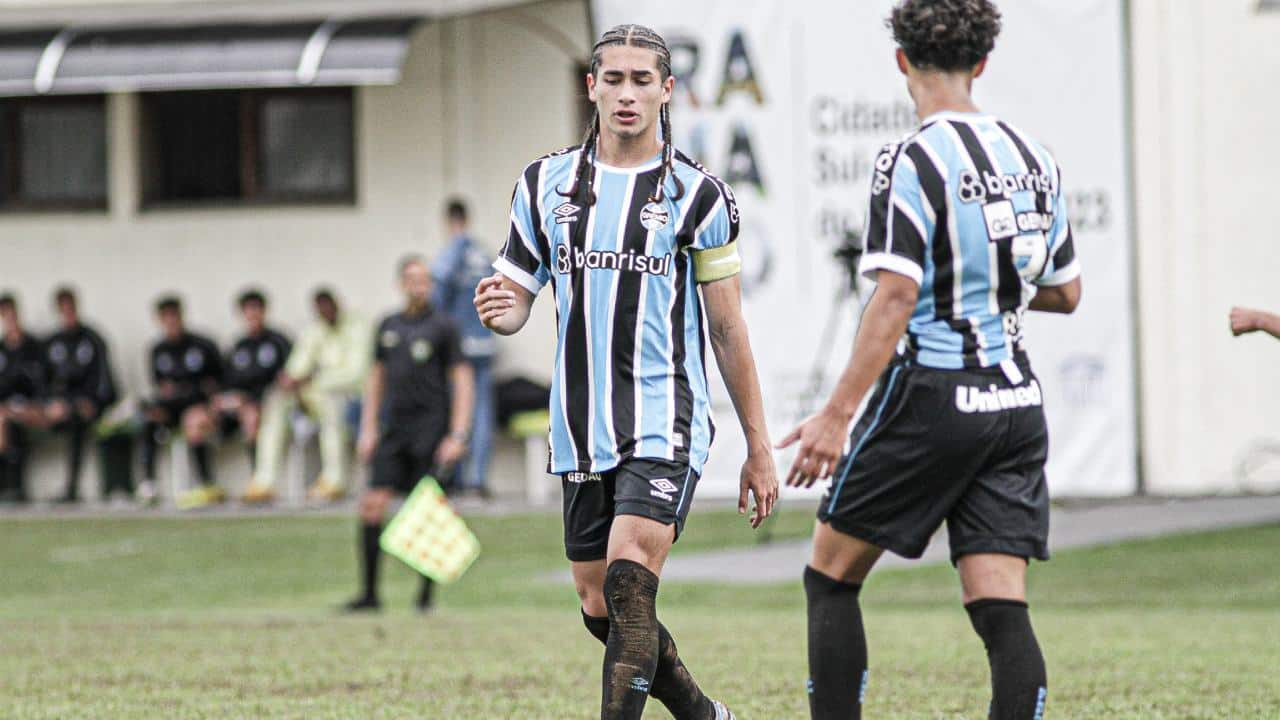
(1061, 276)
(517, 274)
(875, 262)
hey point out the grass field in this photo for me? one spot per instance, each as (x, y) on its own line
(214, 618)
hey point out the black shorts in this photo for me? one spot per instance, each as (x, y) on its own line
(174, 409)
(405, 454)
(965, 446)
(661, 490)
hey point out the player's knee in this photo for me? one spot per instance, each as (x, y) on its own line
(630, 590)
(373, 507)
(591, 596)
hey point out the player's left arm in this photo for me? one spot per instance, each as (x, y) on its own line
(1059, 287)
(717, 267)
(462, 383)
(732, 347)
(1246, 320)
(898, 233)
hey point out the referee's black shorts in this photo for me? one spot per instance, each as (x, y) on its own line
(405, 454)
(965, 446)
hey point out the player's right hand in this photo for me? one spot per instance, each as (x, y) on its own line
(1243, 320)
(821, 439)
(491, 301)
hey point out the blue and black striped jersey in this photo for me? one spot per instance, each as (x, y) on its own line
(972, 210)
(630, 377)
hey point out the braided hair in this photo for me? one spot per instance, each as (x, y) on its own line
(582, 179)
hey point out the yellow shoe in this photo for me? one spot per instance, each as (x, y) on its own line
(201, 497)
(325, 490)
(258, 494)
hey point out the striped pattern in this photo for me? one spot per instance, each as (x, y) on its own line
(630, 378)
(972, 210)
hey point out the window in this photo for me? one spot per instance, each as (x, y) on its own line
(248, 146)
(53, 153)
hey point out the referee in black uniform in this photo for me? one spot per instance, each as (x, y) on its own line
(418, 401)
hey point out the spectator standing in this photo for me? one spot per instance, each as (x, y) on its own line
(81, 386)
(457, 271)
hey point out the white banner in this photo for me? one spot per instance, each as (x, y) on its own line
(789, 102)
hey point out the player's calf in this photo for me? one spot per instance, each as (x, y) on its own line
(1019, 687)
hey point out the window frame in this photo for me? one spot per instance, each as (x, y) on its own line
(250, 163)
(13, 201)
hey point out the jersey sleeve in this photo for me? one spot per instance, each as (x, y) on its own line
(1062, 266)
(715, 235)
(520, 258)
(898, 226)
(380, 348)
(451, 350)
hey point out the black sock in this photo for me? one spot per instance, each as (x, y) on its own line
(369, 536)
(673, 685)
(75, 458)
(204, 470)
(149, 445)
(1019, 686)
(631, 654)
(252, 448)
(426, 593)
(837, 648)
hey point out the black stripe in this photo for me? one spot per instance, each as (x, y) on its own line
(1043, 200)
(540, 239)
(907, 240)
(577, 376)
(1065, 254)
(626, 313)
(1008, 282)
(683, 391)
(723, 191)
(878, 219)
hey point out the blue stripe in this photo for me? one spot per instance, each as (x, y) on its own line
(685, 490)
(888, 390)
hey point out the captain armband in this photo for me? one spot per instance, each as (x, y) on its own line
(716, 263)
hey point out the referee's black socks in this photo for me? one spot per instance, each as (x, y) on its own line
(371, 552)
(837, 648)
(673, 685)
(1018, 679)
(631, 652)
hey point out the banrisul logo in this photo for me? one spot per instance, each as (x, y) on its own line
(570, 259)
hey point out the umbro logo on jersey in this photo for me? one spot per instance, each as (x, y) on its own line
(663, 488)
(566, 213)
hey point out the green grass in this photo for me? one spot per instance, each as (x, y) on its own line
(194, 618)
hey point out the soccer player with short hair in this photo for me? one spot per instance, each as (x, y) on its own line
(966, 231)
(186, 369)
(636, 240)
(250, 369)
(22, 383)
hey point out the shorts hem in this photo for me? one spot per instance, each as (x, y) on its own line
(586, 553)
(1025, 549)
(865, 533)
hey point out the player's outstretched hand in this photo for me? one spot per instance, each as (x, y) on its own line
(491, 301)
(821, 439)
(1243, 320)
(760, 479)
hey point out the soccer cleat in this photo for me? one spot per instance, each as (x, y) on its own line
(201, 497)
(722, 712)
(361, 605)
(258, 494)
(325, 490)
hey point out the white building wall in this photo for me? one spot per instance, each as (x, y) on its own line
(481, 96)
(1205, 79)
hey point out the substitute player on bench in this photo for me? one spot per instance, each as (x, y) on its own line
(418, 401)
(967, 230)
(627, 230)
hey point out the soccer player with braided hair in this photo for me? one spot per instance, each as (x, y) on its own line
(966, 231)
(637, 240)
